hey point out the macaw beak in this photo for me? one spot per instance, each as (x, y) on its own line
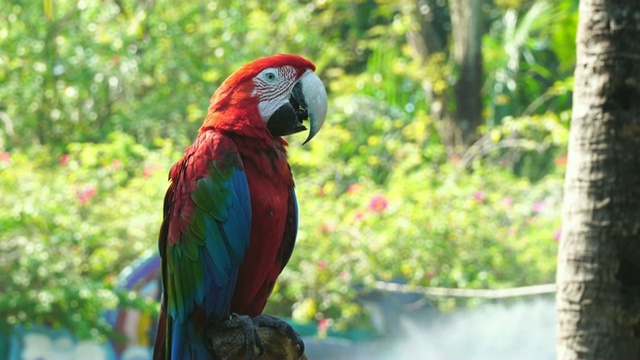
(316, 100)
(307, 101)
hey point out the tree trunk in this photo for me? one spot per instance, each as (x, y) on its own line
(598, 275)
(429, 36)
(426, 38)
(467, 29)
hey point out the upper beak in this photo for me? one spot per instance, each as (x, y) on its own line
(315, 97)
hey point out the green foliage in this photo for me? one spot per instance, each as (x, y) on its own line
(436, 225)
(530, 145)
(411, 230)
(98, 99)
(70, 227)
(89, 68)
(528, 55)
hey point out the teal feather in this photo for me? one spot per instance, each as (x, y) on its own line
(212, 222)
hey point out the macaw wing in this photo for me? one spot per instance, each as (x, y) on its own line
(208, 224)
(290, 230)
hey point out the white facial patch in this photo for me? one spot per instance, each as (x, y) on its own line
(272, 87)
(268, 107)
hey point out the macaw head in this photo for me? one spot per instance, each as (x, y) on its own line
(276, 93)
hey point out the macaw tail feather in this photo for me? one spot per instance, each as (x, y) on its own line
(184, 347)
(160, 347)
(183, 343)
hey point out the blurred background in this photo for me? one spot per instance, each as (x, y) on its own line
(441, 164)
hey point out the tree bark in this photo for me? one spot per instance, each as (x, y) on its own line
(458, 129)
(467, 29)
(598, 276)
(426, 38)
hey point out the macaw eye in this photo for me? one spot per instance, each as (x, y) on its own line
(270, 76)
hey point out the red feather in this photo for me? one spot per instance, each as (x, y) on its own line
(270, 184)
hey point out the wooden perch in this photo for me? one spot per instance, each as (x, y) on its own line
(230, 343)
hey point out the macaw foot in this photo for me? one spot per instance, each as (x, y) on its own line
(273, 322)
(241, 337)
(221, 345)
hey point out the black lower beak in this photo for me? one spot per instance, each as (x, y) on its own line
(288, 118)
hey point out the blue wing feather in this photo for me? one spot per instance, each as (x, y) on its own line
(201, 269)
(231, 241)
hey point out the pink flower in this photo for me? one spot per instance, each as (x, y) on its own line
(326, 228)
(359, 216)
(480, 196)
(561, 161)
(429, 275)
(507, 202)
(538, 206)
(116, 164)
(322, 265)
(321, 191)
(354, 188)
(149, 170)
(344, 276)
(5, 157)
(378, 204)
(557, 235)
(64, 159)
(455, 159)
(323, 326)
(86, 193)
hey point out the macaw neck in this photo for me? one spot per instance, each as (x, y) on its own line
(242, 123)
(259, 145)
(239, 119)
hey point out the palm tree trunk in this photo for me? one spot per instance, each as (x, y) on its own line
(598, 276)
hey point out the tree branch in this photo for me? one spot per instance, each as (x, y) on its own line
(230, 343)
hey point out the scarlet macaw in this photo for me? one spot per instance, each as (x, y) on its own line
(230, 213)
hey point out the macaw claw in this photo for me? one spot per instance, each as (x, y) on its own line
(273, 322)
(241, 337)
(252, 342)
